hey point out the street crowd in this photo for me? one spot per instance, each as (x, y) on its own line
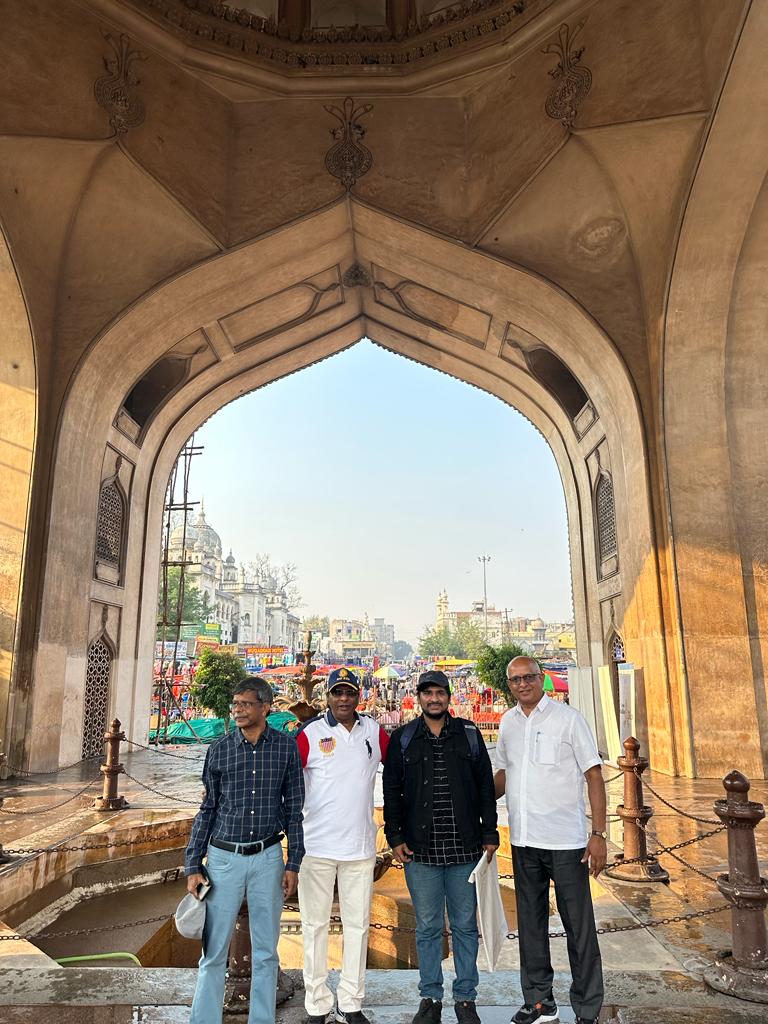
(316, 789)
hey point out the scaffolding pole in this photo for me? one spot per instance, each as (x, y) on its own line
(179, 473)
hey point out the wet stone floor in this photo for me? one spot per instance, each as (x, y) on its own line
(639, 964)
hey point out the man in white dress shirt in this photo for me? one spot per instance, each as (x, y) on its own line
(544, 755)
(341, 752)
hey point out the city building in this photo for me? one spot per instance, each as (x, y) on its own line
(535, 636)
(246, 609)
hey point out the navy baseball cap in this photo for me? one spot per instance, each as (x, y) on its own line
(434, 677)
(342, 676)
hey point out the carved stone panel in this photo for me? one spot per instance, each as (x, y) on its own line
(283, 310)
(604, 511)
(112, 517)
(431, 308)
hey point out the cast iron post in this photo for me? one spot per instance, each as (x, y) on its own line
(743, 971)
(109, 799)
(635, 816)
(238, 998)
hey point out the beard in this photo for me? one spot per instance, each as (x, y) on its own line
(434, 714)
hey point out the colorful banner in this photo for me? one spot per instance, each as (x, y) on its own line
(203, 642)
(228, 649)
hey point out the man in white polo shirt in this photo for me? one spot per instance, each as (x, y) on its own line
(341, 752)
(544, 755)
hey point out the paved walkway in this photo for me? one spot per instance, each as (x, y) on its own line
(56, 808)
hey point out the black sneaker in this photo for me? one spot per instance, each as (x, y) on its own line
(351, 1017)
(429, 1012)
(585, 1020)
(466, 1012)
(537, 1013)
(321, 1018)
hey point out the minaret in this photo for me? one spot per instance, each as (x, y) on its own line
(441, 616)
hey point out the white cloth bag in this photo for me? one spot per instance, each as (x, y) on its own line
(490, 909)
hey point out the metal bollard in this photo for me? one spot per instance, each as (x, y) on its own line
(109, 799)
(742, 971)
(635, 816)
(237, 999)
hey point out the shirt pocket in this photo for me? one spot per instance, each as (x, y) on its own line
(546, 749)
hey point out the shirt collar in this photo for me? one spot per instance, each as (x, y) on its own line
(541, 706)
(266, 736)
(332, 720)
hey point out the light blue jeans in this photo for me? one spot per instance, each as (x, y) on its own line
(233, 877)
(432, 889)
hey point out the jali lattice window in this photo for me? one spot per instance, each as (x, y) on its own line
(606, 517)
(109, 531)
(617, 649)
(96, 700)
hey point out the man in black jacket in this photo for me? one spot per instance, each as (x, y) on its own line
(439, 815)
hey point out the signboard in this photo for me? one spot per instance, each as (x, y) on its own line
(203, 642)
(256, 651)
(189, 630)
(228, 649)
(168, 650)
(212, 630)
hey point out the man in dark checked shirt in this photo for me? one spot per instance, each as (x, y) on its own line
(439, 815)
(254, 791)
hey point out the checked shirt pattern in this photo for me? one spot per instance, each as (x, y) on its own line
(252, 791)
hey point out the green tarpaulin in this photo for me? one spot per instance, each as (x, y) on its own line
(209, 729)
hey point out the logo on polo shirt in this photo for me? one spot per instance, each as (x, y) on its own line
(327, 745)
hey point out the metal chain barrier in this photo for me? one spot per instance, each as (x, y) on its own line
(377, 925)
(677, 810)
(117, 844)
(165, 753)
(53, 771)
(53, 807)
(157, 792)
(664, 850)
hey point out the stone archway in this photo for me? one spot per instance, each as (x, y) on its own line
(18, 425)
(272, 307)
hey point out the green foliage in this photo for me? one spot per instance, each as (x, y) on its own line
(466, 642)
(317, 623)
(194, 609)
(492, 668)
(401, 649)
(215, 681)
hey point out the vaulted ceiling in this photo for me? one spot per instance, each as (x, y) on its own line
(140, 137)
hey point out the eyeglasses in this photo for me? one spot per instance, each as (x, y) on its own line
(528, 678)
(339, 691)
(237, 705)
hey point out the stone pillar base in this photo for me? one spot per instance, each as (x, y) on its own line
(738, 980)
(117, 803)
(648, 871)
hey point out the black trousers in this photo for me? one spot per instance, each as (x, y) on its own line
(534, 869)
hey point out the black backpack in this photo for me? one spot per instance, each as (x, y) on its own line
(470, 730)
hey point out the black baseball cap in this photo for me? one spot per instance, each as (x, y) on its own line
(434, 677)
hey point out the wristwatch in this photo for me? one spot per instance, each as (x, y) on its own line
(603, 835)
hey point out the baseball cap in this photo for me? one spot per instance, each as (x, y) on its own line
(342, 676)
(190, 915)
(434, 677)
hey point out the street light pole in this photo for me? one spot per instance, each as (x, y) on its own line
(485, 559)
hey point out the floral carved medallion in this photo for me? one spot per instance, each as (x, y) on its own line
(572, 80)
(348, 159)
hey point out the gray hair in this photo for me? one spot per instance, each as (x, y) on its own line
(259, 686)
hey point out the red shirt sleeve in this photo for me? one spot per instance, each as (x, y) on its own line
(303, 745)
(383, 743)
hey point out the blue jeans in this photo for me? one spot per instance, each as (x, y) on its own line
(233, 877)
(432, 889)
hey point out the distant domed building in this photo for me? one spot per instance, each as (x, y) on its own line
(247, 611)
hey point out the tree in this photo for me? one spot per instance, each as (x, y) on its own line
(469, 639)
(492, 668)
(466, 642)
(317, 623)
(285, 575)
(193, 610)
(215, 681)
(401, 649)
(437, 642)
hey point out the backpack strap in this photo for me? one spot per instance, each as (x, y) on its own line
(407, 734)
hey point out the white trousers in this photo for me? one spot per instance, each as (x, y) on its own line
(316, 882)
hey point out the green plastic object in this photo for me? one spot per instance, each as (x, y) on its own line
(99, 956)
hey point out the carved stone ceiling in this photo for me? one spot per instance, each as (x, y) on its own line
(157, 133)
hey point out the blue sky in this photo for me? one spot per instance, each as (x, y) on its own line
(412, 476)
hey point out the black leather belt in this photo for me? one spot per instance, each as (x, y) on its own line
(247, 848)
